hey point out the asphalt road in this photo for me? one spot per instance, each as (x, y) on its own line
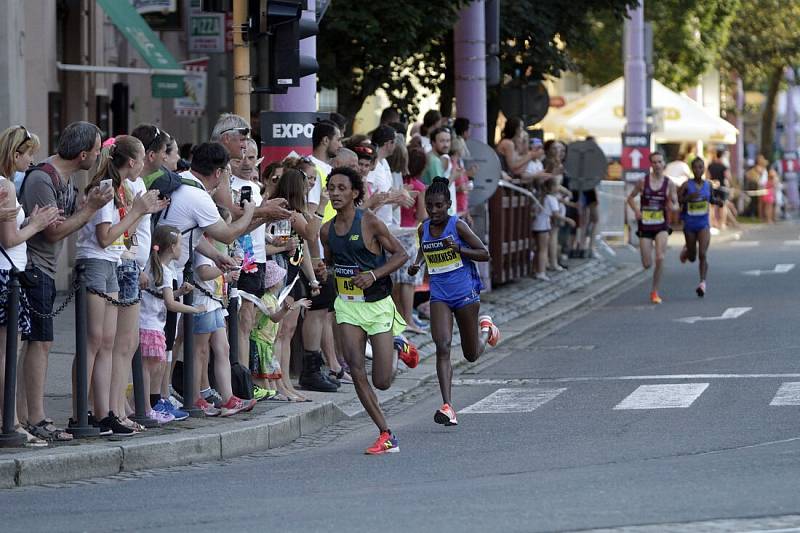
(625, 416)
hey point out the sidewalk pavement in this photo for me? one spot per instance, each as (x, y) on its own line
(517, 307)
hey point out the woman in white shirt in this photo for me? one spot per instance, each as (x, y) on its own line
(100, 246)
(17, 147)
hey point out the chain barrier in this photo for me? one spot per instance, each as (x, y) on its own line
(113, 301)
(61, 307)
(211, 295)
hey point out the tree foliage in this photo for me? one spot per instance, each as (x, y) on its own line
(538, 36)
(397, 46)
(688, 38)
(765, 39)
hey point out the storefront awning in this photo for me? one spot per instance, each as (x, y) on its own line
(165, 84)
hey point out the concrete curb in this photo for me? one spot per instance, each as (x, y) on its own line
(273, 429)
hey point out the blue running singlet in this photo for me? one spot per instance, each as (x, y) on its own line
(454, 279)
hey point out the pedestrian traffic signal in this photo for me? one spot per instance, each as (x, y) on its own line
(281, 22)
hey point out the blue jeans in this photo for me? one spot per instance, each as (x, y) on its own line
(128, 279)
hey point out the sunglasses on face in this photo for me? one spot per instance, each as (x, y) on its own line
(26, 139)
(244, 132)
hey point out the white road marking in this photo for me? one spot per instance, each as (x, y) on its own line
(745, 244)
(788, 394)
(665, 377)
(791, 243)
(668, 396)
(781, 268)
(513, 401)
(728, 314)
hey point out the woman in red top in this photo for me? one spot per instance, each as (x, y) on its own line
(410, 218)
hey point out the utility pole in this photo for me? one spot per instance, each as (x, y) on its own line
(241, 61)
(470, 67)
(635, 72)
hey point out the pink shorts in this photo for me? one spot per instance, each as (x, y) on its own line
(153, 344)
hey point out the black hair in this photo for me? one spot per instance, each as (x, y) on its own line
(153, 138)
(655, 153)
(186, 151)
(76, 138)
(382, 135)
(720, 153)
(439, 185)
(338, 119)
(322, 130)
(512, 127)
(437, 131)
(389, 115)
(461, 125)
(356, 181)
(208, 157)
(399, 127)
(430, 119)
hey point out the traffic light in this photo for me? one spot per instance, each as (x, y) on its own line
(281, 22)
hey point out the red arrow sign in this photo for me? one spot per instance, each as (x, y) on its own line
(635, 158)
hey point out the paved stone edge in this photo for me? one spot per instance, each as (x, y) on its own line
(212, 444)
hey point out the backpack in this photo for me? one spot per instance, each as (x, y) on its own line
(55, 177)
(165, 182)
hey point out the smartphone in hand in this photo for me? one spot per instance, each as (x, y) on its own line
(246, 195)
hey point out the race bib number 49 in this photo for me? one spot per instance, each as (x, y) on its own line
(345, 287)
(440, 258)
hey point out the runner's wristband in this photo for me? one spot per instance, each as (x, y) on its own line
(374, 277)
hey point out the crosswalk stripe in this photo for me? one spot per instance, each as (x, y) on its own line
(513, 401)
(667, 396)
(788, 394)
(745, 244)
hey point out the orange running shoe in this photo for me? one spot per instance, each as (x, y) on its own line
(386, 443)
(684, 254)
(494, 332)
(445, 415)
(406, 351)
(655, 298)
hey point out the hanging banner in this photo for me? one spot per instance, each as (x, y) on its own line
(193, 104)
(285, 132)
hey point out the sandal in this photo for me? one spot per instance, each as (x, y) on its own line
(30, 440)
(280, 397)
(48, 431)
(137, 427)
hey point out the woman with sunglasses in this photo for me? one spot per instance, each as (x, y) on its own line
(17, 147)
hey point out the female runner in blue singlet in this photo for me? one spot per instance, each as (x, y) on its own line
(448, 247)
(695, 197)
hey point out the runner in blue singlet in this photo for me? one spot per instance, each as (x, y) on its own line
(448, 247)
(695, 197)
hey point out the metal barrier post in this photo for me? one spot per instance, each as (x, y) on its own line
(189, 394)
(233, 325)
(10, 437)
(82, 429)
(139, 394)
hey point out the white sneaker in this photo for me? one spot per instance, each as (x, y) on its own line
(175, 402)
(160, 416)
(541, 276)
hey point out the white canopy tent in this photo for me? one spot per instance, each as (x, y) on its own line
(601, 114)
